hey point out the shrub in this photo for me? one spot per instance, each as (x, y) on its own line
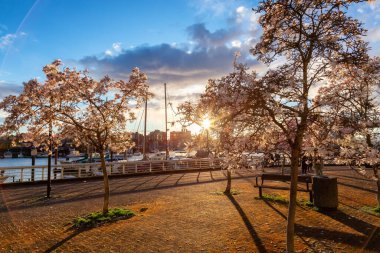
(98, 218)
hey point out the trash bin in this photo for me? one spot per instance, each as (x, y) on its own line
(325, 191)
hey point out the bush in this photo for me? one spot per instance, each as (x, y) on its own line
(98, 218)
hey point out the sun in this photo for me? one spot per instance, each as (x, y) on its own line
(206, 123)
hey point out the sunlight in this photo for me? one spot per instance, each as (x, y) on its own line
(206, 123)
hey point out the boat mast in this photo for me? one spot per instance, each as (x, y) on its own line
(166, 128)
(146, 112)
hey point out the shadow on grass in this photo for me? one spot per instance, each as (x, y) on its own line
(247, 223)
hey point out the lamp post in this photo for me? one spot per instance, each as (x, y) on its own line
(206, 125)
(33, 153)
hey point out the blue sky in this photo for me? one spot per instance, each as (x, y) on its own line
(180, 42)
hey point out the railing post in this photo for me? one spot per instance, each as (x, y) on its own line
(123, 168)
(79, 172)
(62, 172)
(150, 166)
(43, 173)
(22, 175)
(136, 168)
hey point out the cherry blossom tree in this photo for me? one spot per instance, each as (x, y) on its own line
(225, 103)
(91, 111)
(352, 98)
(312, 36)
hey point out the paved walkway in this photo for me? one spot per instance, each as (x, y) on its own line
(186, 213)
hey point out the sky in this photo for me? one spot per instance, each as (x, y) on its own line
(182, 43)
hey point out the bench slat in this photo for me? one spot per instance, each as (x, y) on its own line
(283, 178)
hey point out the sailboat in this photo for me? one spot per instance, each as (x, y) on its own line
(8, 154)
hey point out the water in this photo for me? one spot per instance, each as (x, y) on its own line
(10, 162)
(23, 174)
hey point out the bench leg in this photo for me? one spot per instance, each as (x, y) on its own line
(260, 192)
(311, 196)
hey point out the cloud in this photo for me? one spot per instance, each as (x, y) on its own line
(184, 66)
(8, 39)
(209, 54)
(8, 88)
(116, 46)
(373, 34)
(204, 38)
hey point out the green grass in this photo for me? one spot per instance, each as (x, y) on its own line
(275, 198)
(98, 218)
(233, 192)
(306, 203)
(372, 210)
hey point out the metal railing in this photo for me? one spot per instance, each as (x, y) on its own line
(19, 174)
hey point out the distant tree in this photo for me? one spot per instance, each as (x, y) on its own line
(81, 107)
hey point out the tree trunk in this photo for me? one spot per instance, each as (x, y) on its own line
(106, 183)
(283, 165)
(292, 199)
(378, 192)
(228, 188)
(377, 176)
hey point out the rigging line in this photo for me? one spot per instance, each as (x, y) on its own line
(171, 106)
(138, 115)
(140, 120)
(174, 114)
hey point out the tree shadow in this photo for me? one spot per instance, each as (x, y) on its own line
(352, 177)
(373, 232)
(358, 241)
(117, 190)
(66, 239)
(319, 233)
(274, 209)
(357, 187)
(247, 223)
(177, 182)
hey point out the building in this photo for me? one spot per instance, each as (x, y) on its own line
(138, 139)
(156, 141)
(178, 139)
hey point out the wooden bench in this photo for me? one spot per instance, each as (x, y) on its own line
(284, 178)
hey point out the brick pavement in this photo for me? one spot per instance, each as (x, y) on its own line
(184, 215)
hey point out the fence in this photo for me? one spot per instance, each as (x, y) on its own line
(19, 174)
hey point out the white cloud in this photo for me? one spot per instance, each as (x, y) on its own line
(8, 39)
(241, 13)
(117, 46)
(236, 43)
(115, 50)
(374, 34)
